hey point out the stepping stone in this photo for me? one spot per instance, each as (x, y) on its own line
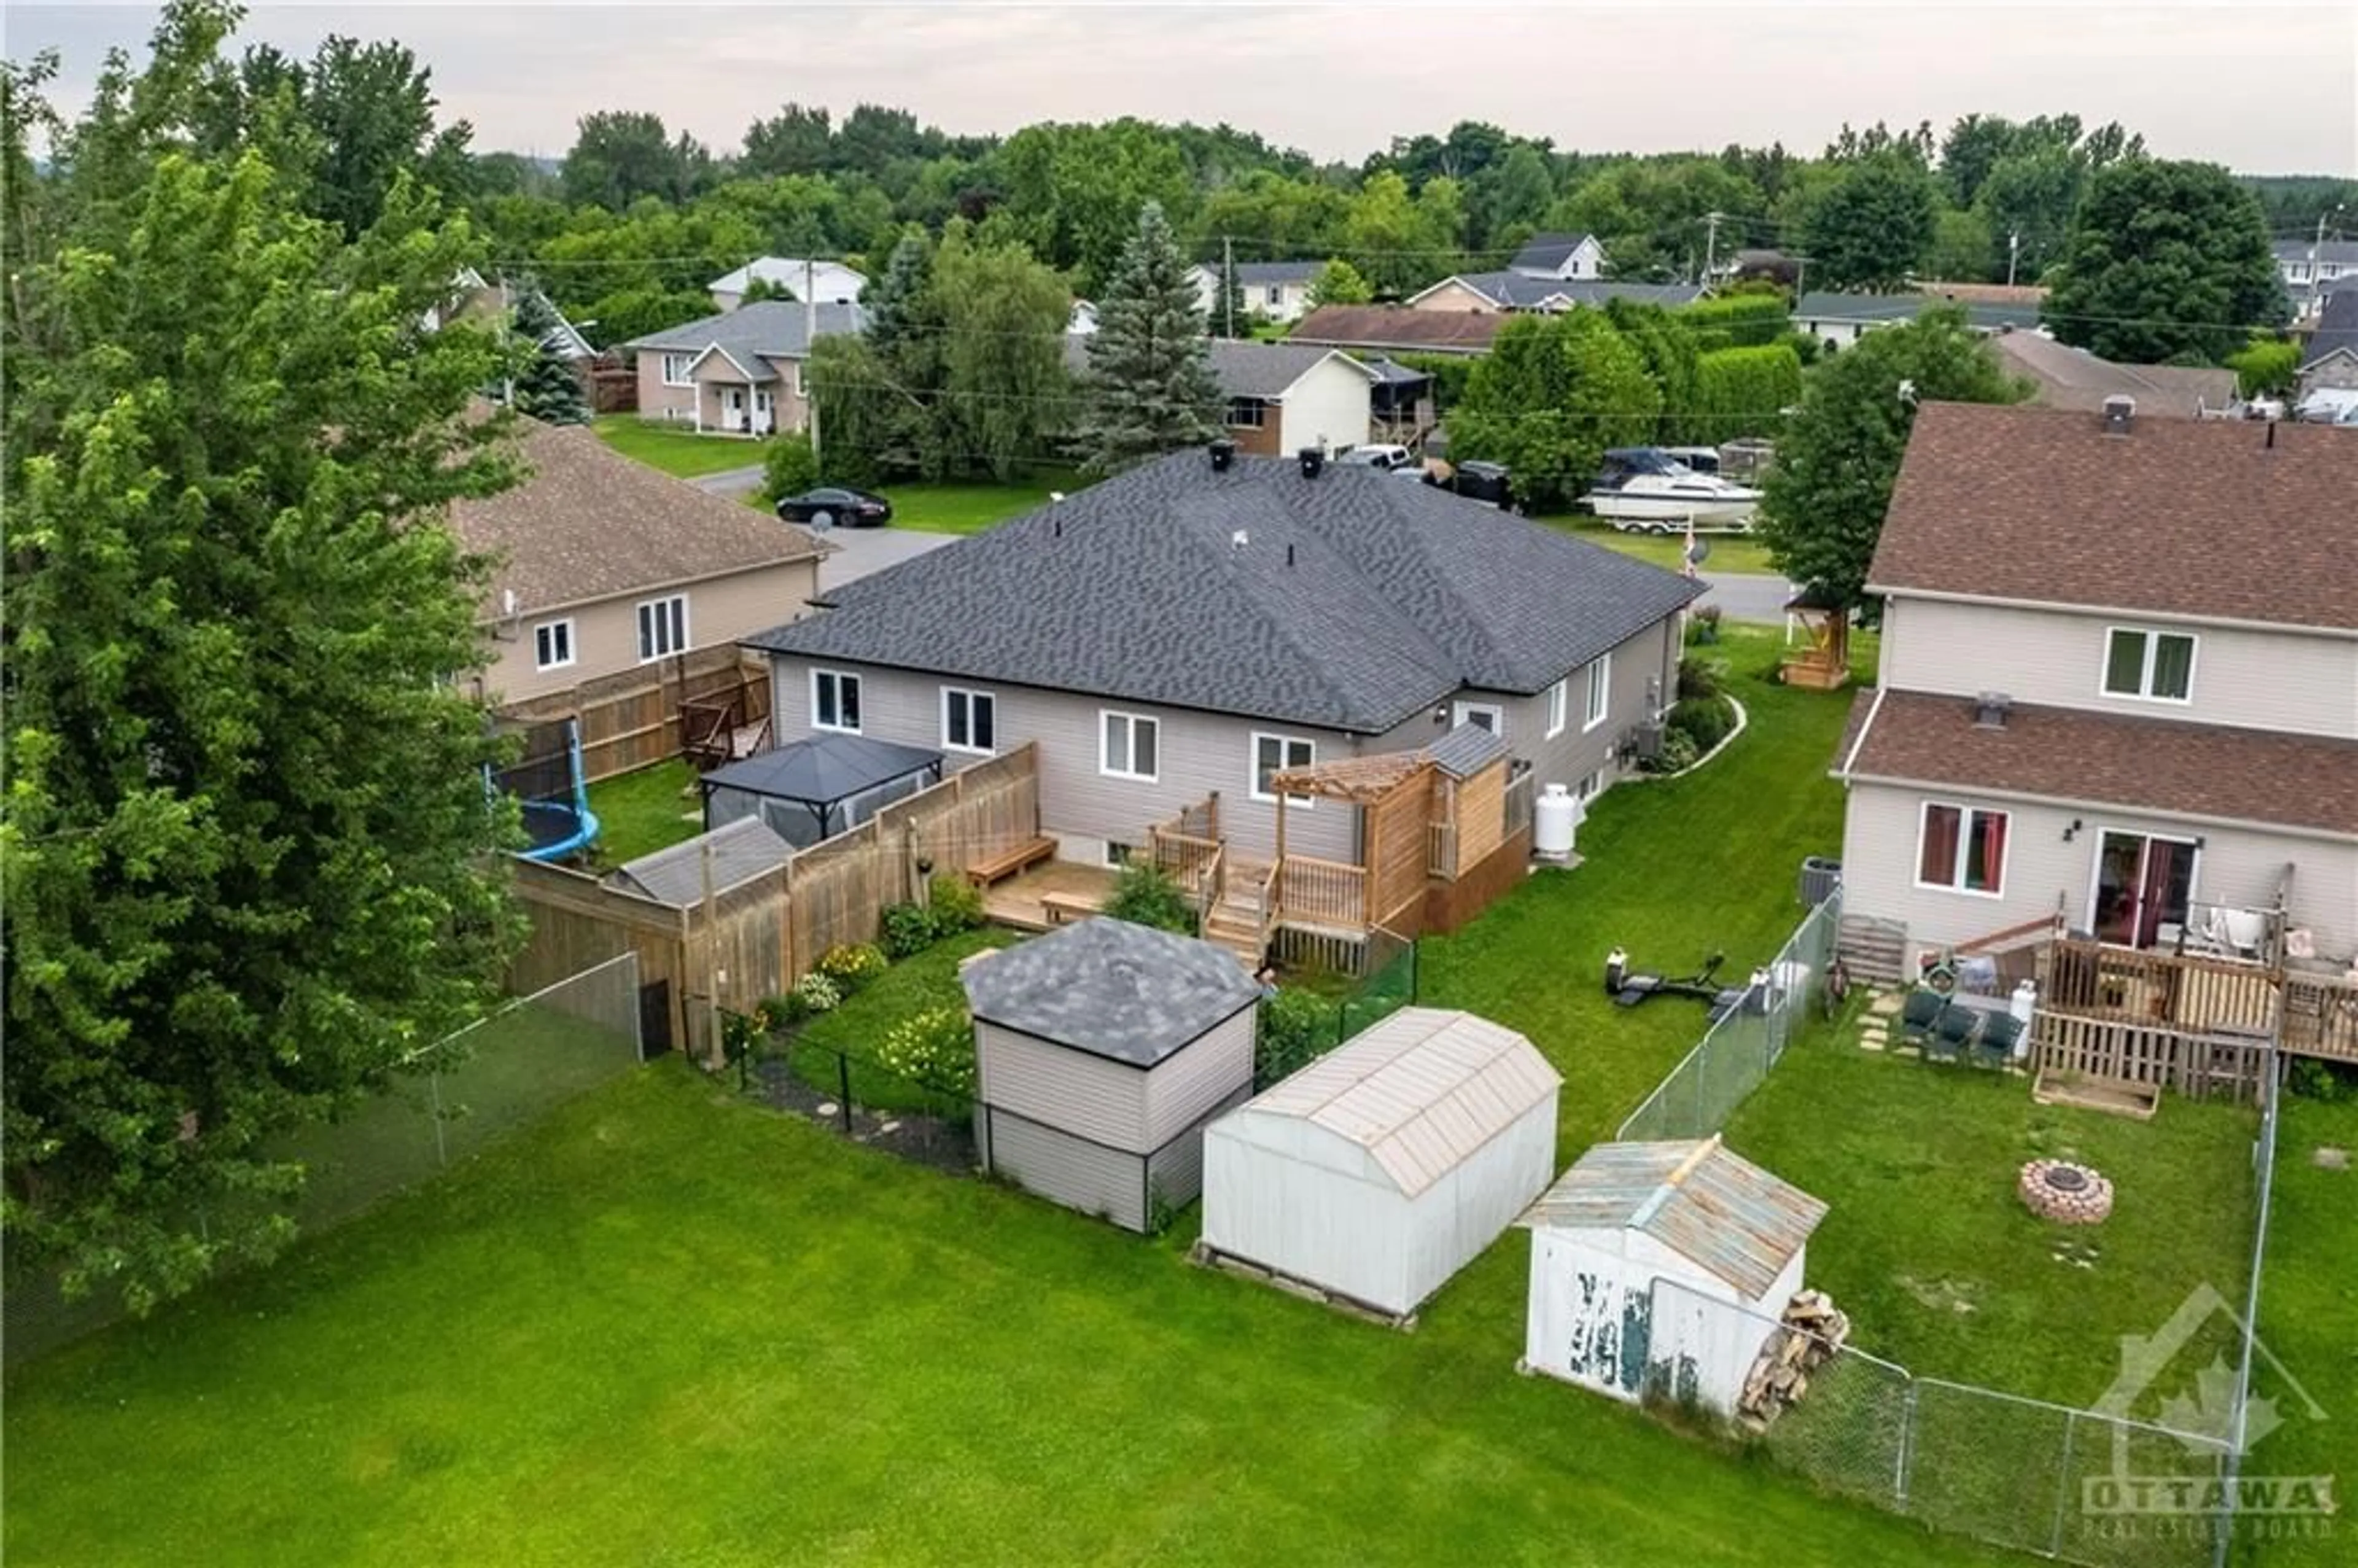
(1871, 1043)
(828, 1108)
(2328, 1158)
(1887, 1005)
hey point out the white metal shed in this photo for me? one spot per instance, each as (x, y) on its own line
(1382, 1168)
(1673, 1257)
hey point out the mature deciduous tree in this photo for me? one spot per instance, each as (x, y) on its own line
(1150, 389)
(247, 850)
(2166, 259)
(1339, 283)
(619, 156)
(1872, 226)
(1547, 400)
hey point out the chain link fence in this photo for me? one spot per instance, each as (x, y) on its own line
(1297, 1026)
(450, 1100)
(1734, 1055)
(860, 1096)
(2078, 1485)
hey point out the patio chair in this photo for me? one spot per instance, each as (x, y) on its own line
(2001, 1036)
(1953, 1033)
(1917, 1018)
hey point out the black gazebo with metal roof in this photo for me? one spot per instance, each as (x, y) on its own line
(817, 788)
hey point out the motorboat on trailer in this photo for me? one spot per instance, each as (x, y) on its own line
(1646, 488)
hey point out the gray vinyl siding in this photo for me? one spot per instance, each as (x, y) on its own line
(1175, 1173)
(2290, 681)
(1183, 1087)
(1645, 671)
(1066, 1169)
(2236, 865)
(1063, 1087)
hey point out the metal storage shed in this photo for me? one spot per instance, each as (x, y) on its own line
(819, 787)
(1381, 1169)
(1100, 1051)
(1678, 1256)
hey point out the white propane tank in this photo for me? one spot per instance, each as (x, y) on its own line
(1555, 818)
(2024, 1005)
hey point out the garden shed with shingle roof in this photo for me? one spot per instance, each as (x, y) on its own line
(1101, 1049)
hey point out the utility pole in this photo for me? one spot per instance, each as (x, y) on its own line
(2316, 245)
(1710, 245)
(802, 366)
(2013, 249)
(1228, 284)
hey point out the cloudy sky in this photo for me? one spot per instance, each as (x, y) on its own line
(2261, 88)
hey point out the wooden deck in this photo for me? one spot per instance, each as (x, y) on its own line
(1048, 896)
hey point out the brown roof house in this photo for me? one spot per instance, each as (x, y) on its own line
(606, 565)
(2066, 377)
(2119, 683)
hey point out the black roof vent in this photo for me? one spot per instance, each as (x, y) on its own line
(2120, 414)
(1224, 452)
(1313, 460)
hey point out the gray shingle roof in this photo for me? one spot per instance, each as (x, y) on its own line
(1547, 253)
(1354, 601)
(1264, 273)
(1265, 370)
(1517, 291)
(767, 326)
(2337, 327)
(1989, 316)
(1125, 992)
(2342, 251)
(742, 850)
(1465, 751)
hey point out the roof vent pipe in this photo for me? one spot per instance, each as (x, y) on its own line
(1990, 711)
(2120, 414)
(1313, 462)
(1224, 452)
(1289, 555)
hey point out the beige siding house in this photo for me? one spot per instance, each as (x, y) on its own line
(2120, 683)
(2066, 377)
(737, 373)
(604, 565)
(1274, 291)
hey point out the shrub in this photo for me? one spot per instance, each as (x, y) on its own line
(788, 467)
(1703, 720)
(935, 1047)
(908, 930)
(1144, 894)
(1294, 1027)
(851, 964)
(815, 993)
(1677, 753)
(1740, 390)
(2327, 1081)
(1702, 626)
(1738, 321)
(1699, 678)
(783, 1011)
(957, 904)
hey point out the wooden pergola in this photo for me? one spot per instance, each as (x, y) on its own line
(1824, 664)
(1394, 791)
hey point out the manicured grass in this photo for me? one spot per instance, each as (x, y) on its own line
(1938, 1263)
(639, 812)
(2309, 1320)
(666, 1326)
(673, 449)
(914, 985)
(972, 508)
(1729, 552)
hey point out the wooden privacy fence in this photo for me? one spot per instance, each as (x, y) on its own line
(632, 720)
(756, 938)
(2197, 1066)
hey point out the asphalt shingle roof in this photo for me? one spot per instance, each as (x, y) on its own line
(1266, 369)
(2073, 378)
(1347, 601)
(1547, 253)
(2342, 251)
(1264, 273)
(2337, 327)
(1126, 992)
(767, 326)
(1988, 315)
(1399, 326)
(1519, 292)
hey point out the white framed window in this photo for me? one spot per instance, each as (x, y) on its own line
(1591, 787)
(1559, 696)
(675, 368)
(1246, 413)
(1119, 855)
(1961, 849)
(1130, 746)
(801, 388)
(2157, 666)
(552, 644)
(663, 627)
(835, 701)
(969, 720)
(1275, 754)
(1488, 714)
(1597, 697)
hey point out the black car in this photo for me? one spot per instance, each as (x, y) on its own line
(829, 507)
(1479, 481)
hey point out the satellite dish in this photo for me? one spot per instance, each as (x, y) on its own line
(1698, 552)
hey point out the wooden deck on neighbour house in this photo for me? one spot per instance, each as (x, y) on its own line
(1048, 896)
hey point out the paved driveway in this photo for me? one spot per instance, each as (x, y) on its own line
(858, 551)
(1748, 596)
(730, 481)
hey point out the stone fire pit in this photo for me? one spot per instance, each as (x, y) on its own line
(2064, 1192)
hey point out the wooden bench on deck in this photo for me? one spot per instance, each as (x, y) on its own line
(1060, 908)
(1015, 859)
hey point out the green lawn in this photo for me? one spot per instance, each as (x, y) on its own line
(674, 449)
(1936, 1261)
(639, 812)
(2308, 1319)
(913, 986)
(669, 1327)
(972, 508)
(1729, 552)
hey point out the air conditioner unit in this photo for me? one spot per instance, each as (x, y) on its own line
(1645, 742)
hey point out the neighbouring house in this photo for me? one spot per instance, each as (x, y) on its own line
(474, 299)
(1278, 398)
(739, 372)
(1101, 1050)
(1513, 291)
(1379, 1170)
(1666, 1264)
(1838, 321)
(1397, 330)
(2307, 265)
(604, 565)
(2073, 378)
(1274, 291)
(1401, 404)
(2118, 704)
(827, 282)
(1207, 634)
(2330, 361)
(1563, 257)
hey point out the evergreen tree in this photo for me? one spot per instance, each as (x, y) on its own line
(1149, 388)
(249, 860)
(546, 386)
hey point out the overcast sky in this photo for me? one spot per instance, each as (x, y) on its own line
(2261, 88)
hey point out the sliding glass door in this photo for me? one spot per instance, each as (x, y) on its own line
(2143, 883)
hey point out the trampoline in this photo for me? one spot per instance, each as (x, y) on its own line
(547, 781)
(814, 789)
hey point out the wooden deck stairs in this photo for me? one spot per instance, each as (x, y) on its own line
(1236, 917)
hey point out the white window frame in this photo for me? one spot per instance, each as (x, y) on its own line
(972, 695)
(545, 635)
(1463, 712)
(671, 628)
(2144, 692)
(1559, 705)
(1259, 420)
(687, 376)
(1131, 722)
(1966, 813)
(1596, 693)
(839, 677)
(1285, 744)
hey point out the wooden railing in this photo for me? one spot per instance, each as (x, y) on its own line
(2321, 1015)
(1184, 857)
(1201, 820)
(1321, 892)
(1211, 879)
(1441, 850)
(2182, 992)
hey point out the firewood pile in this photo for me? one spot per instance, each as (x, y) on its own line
(1814, 1328)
